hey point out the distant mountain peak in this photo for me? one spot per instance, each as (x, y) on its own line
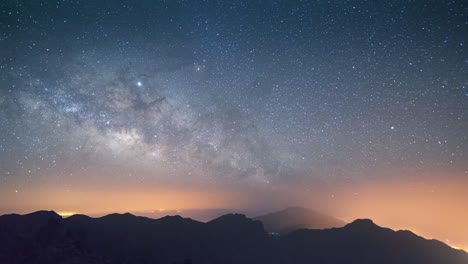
(78, 216)
(175, 219)
(172, 217)
(236, 220)
(40, 216)
(362, 224)
(231, 218)
(363, 221)
(117, 215)
(295, 217)
(44, 213)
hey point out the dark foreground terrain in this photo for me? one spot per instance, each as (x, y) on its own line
(45, 237)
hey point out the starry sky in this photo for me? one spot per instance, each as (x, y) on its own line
(139, 105)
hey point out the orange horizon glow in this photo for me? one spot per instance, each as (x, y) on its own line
(430, 208)
(433, 209)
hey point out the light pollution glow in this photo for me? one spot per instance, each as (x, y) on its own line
(435, 209)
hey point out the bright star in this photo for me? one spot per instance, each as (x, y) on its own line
(139, 83)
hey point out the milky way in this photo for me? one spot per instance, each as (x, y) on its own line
(265, 96)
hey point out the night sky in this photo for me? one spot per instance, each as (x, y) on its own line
(143, 105)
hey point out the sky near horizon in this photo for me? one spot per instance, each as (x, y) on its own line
(356, 108)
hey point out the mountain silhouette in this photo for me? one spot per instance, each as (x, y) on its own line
(45, 237)
(293, 218)
(362, 241)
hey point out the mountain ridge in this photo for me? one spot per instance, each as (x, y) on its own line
(232, 238)
(294, 217)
